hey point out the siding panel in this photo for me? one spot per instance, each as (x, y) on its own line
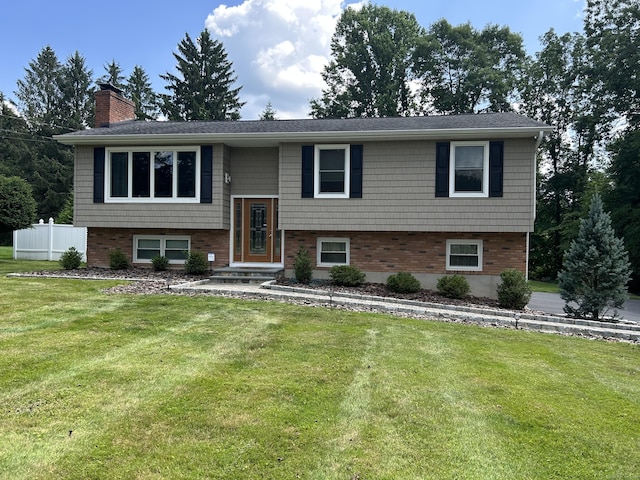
(399, 194)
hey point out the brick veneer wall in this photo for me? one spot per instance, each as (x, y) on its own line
(112, 107)
(101, 241)
(415, 252)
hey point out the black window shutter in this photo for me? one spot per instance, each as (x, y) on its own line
(98, 174)
(206, 174)
(355, 190)
(307, 171)
(496, 160)
(442, 169)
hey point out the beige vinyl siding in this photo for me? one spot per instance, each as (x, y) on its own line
(254, 171)
(148, 215)
(399, 194)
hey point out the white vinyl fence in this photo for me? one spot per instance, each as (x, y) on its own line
(48, 241)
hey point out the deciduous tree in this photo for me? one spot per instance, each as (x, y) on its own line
(17, 206)
(463, 70)
(371, 70)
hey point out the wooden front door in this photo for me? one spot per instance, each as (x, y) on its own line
(256, 236)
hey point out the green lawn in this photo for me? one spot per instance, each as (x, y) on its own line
(153, 387)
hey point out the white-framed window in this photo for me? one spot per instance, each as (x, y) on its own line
(464, 255)
(331, 171)
(173, 247)
(332, 252)
(162, 174)
(469, 169)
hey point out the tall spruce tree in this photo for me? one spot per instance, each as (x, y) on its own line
(39, 94)
(138, 89)
(113, 75)
(596, 268)
(77, 98)
(203, 89)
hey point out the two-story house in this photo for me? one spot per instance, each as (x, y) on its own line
(430, 195)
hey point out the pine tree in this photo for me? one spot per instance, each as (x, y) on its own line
(114, 75)
(268, 113)
(138, 89)
(204, 92)
(596, 268)
(39, 92)
(77, 96)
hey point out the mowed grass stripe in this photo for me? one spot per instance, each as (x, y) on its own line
(108, 389)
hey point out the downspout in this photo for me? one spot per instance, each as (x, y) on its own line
(535, 196)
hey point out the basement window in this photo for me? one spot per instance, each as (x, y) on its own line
(464, 255)
(174, 248)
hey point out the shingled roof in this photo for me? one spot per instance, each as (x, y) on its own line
(266, 132)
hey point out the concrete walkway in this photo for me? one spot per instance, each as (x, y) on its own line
(535, 321)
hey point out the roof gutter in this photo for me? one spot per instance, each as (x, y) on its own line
(275, 138)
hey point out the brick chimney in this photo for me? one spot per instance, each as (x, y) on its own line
(111, 106)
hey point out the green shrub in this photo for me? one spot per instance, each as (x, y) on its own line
(302, 266)
(71, 259)
(160, 263)
(514, 291)
(118, 260)
(453, 286)
(403, 282)
(346, 276)
(196, 263)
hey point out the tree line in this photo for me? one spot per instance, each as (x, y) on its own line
(384, 63)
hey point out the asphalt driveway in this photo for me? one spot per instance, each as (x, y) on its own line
(552, 303)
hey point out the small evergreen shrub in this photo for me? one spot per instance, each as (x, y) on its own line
(453, 286)
(514, 291)
(196, 263)
(346, 276)
(403, 282)
(118, 260)
(160, 263)
(302, 266)
(71, 259)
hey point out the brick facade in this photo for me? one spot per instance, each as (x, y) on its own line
(415, 252)
(101, 241)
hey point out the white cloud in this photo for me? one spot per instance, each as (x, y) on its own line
(278, 49)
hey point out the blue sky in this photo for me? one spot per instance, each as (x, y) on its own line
(278, 47)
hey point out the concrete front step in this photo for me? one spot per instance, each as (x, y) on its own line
(245, 274)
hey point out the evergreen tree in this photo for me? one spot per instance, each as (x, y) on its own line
(39, 92)
(49, 168)
(203, 89)
(16, 143)
(268, 113)
(138, 89)
(77, 105)
(113, 75)
(371, 70)
(596, 268)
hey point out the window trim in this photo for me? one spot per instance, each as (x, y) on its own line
(347, 170)
(163, 245)
(152, 199)
(319, 251)
(478, 243)
(484, 193)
